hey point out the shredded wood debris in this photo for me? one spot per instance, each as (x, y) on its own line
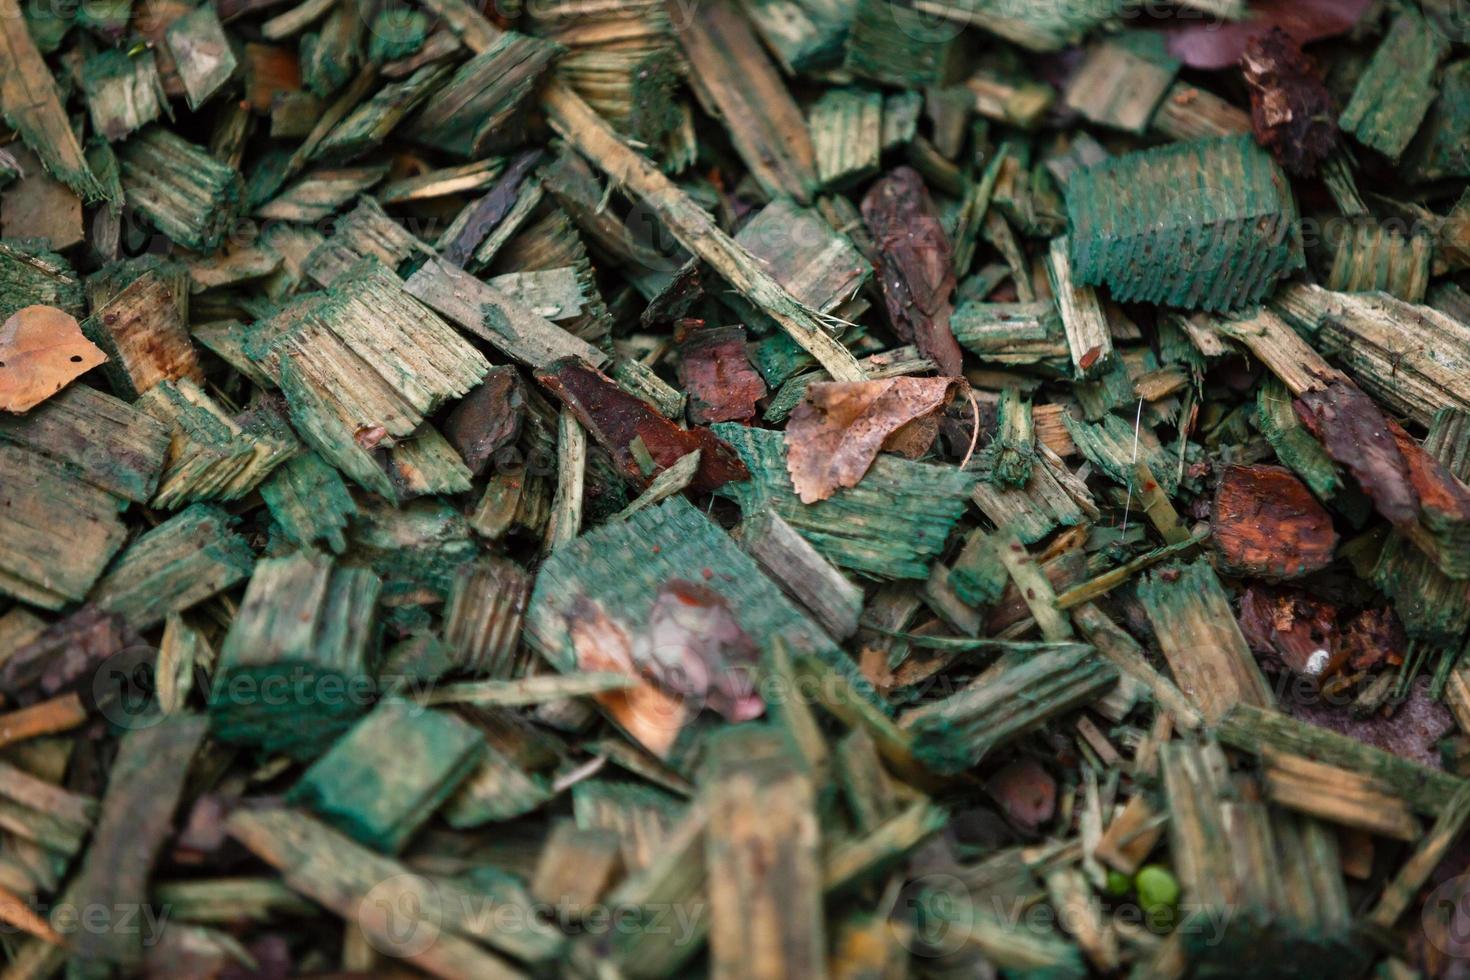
(640, 490)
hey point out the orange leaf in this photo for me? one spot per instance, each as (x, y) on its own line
(42, 350)
(837, 432)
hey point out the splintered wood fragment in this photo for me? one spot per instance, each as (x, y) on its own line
(1080, 912)
(14, 911)
(1109, 445)
(1266, 523)
(383, 357)
(674, 882)
(49, 717)
(1108, 581)
(1369, 256)
(1016, 695)
(123, 92)
(1191, 113)
(1415, 872)
(499, 789)
(1414, 359)
(319, 194)
(1294, 445)
(224, 900)
(1258, 730)
(1012, 453)
(846, 127)
(31, 103)
(175, 566)
(762, 853)
(1035, 27)
(211, 456)
(1283, 352)
(493, 316)
(201, 53)
(482, 622)
(695, 229)
(388, 775)
(894, 522)
(1132, 835)
(577, 866)
(441, 183)
(1120, 87)
(368, 124)
(1088, 337)
(181, 652)
(1034, 586)
(571, 470)
(735, 79)
(673, 480)
(1197, 631)
(852, 861)
(40, 811)
(31, 274)
(528, 690)
(1394, 93)
(1011, 333)
(143, 329)
(59, 534)
(802, 572)
(1352, 799)
(1156, 505)
(309, 501)
(807, 255)
(1010, 98)
(1280, 872)
(1051, 498)
(377, 893)
(899, 46)
(302, 615)
(143, 789)
(1118, 212)
(481, 108)
(186, 193)
(641, 441)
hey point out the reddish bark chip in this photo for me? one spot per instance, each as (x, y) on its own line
(1267, 523)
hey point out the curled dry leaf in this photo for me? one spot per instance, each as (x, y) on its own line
(1207, 43)
(838, 430)
(1291, 109)
(42, 350)
(917, 265)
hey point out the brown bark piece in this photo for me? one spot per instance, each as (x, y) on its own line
(1267, 523)
(716, 371)
(617, 420)
(917, 265)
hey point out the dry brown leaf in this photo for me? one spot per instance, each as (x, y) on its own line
(42, 350)
(838, 430)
